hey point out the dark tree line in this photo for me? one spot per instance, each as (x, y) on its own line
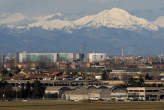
(135, 82)
(105, 75)
(140, 83)
(6, 91)
(33, 90)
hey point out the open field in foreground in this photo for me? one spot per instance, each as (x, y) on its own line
(61, 105)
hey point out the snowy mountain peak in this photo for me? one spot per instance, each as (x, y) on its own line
(115, 10)
(114, 13)
(49, 17)
(116, 18)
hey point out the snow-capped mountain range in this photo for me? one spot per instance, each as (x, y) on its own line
(107, 31)
(114, 18)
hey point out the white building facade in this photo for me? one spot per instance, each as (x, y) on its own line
(97, 57)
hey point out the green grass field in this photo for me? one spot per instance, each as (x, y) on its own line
(61, 105)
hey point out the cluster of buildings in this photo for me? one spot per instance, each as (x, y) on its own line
(91, 60)
(91, 76)
(44, 65)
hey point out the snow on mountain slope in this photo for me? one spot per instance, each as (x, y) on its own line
(50, 22)
(11, 19)
(50, 25)
(160, 21)
(115, 18)
(14, 21)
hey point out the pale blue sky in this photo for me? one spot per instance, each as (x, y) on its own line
(144, 8)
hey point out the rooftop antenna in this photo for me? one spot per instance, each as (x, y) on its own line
(122, 52)
(81, 48)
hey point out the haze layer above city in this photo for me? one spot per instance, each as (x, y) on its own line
(87, 25)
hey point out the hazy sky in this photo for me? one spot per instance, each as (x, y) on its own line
(146, 8)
